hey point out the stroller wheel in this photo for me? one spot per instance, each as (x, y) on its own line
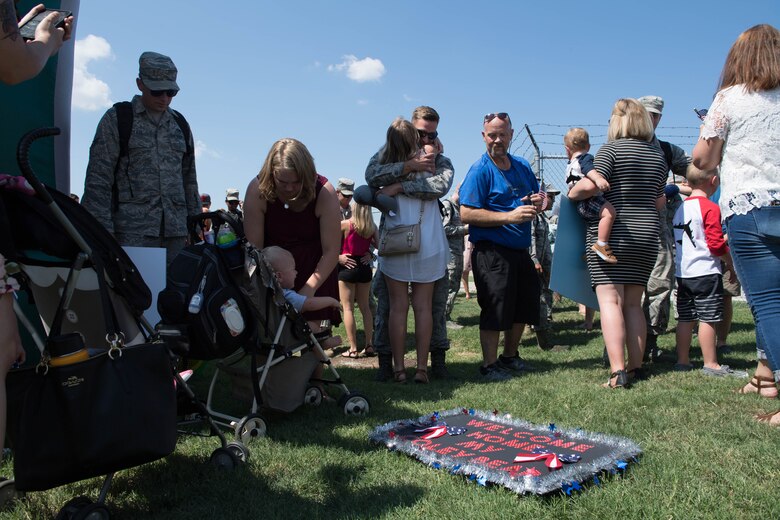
(93, 512)
(251, 427)
(7, 492)
(354, 403)
(313, 396)
(71, 507)
(239, 450)
(224, 458)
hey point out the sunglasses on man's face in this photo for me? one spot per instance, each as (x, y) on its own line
(503, 116)
(158, 93)
(430, 135)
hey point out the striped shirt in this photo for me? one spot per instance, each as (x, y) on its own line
(636, 171)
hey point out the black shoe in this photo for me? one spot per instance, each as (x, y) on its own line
(605, 358)
(385, 372)
(438, 366)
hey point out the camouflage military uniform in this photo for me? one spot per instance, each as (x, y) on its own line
(541, 254)
(454, 229)
(432, 187)
(156, 188)
(658, 294)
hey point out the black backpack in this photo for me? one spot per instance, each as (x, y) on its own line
(202, 294)
(124, 121)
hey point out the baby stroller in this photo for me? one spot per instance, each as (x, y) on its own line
(282, 350)
(102, 398)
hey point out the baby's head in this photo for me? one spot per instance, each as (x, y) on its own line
(704, 180)
(576, 140)
(283, 264)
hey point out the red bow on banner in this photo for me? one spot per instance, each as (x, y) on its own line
(433, 432)
(551, 460)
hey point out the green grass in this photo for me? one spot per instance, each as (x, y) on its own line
(704, 456)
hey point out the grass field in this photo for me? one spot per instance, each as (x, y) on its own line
(704, 455)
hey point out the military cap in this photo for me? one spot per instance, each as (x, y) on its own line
(346, 186)
(653, 104)
(157, 72)
(232, 194)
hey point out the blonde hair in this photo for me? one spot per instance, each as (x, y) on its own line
(278, 257)
(288, 154)
(402, 142)
(576, 139)
(630, 120)
(753, 60)
(363, 220)
(697, 177)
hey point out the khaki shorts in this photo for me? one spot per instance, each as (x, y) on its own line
(729, 288)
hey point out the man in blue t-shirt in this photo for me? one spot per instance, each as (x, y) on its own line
(499, 198)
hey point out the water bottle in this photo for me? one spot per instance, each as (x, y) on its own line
(226, 237)
(208, 236)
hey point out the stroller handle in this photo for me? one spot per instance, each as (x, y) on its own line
(23, 159)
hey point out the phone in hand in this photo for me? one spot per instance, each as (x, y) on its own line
(701, 112)
(28, 29)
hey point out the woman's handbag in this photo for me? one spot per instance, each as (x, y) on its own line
(401, 240)
(72, 418)
(113, 411)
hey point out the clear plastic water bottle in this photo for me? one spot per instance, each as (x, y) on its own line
(226, 237)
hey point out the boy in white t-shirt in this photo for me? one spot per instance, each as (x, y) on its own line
(698, 237)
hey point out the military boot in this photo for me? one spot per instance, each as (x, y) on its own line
(385, 372)
(545, 343)
(438, 368)
(651, 348)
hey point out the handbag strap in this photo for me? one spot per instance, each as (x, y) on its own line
(422, 208)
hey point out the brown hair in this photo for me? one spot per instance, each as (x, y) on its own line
(753, 60)
(278, 257)
(402, 142)
(288, 154)
(576, 139)
(629, 120)
(426, 113)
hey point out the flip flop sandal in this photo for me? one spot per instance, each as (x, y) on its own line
(369, 351)
(354, 354)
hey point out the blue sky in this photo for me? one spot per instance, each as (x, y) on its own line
(335, 74)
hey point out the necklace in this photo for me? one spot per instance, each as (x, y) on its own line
(515, 189)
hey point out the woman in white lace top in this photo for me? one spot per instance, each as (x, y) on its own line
(741, 133)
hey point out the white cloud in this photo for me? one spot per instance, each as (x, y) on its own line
(89, 92)
(202, 148)
(407, 97)
(367, 69)
(362, 102)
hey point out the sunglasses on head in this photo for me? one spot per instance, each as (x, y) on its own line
(430, 135)
(503, 116)
(158, 93)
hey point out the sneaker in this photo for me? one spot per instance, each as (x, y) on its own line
(494, 373)
(604, 252)
(683, 367)
(514, 364)
(453, 326)
(723, 371)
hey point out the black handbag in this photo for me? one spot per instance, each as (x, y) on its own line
(112, 411)
(73, 422)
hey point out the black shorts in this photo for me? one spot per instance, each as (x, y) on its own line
(700, 298)
(507, 286)
(361, 273)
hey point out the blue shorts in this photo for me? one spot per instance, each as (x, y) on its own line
(590, 209)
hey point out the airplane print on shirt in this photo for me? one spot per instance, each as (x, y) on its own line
(687, 230)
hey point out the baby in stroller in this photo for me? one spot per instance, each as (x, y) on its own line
(283, 264)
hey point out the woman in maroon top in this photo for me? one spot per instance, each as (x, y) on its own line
(289, 205)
